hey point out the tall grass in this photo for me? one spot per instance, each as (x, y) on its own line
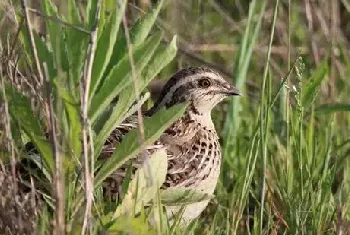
(285, 141)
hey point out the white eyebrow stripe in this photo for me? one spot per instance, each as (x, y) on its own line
(184, 81)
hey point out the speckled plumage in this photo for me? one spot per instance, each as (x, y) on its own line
(191, 143)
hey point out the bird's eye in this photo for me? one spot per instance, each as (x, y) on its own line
(204, 83)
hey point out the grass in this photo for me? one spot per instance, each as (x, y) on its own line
(285, 142)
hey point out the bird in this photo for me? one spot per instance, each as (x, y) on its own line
(191, 142)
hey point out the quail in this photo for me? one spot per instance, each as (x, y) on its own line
(191, 142)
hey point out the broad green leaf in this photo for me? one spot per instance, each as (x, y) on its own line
(121, 75)
(144, 25)
(131, 225)
(91, 11)
(116, 117)
(72, 108)
(52, 27)
(75, 46)
(73, 13)
(130, 146)
(332, 108)
(138, 33)
(313, 84)
(104, 16)
(107, 7)
(43, 146)
(162, 57)
(45, 55)
(38, 161)
(19, 104)
(55, 33)
(126, 182)
(77, 42)
(182, 196)
(105, 46)
(143, 187)
(24, 37)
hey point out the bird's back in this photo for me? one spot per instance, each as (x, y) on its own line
(193, 153)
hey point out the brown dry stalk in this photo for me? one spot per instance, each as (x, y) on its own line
(334, 25)
(86, 130)
(309, 18)
(32, 43)
(58, 20)
(59, 226)
(8, 135)
(278, 50)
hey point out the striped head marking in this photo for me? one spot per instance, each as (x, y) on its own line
(202, 87)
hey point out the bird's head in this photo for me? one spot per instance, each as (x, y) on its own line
(202, 87)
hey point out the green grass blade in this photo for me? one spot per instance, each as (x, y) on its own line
(162, 57)
(76, 44)
(232, 119)
(311, 89)
(138, 34)
(120, 76)
(56, 34)
(332, 108)
(91, 11)
(72, 108)
(31, 125)
(144, 25)
(183, 196)
(105, 46)
(73, 14)
(118, 115)
(144, 185)
(45, 55)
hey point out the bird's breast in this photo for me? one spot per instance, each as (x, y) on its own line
(195, 163)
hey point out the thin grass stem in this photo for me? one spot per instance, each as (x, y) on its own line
(88, 149)
(264, 117)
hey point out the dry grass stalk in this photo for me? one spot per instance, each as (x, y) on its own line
(40, 82)
(88, 149)
(58, 177)
(58, 20)
(5, 121)
(18, 211)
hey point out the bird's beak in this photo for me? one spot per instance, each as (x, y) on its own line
(232, 91)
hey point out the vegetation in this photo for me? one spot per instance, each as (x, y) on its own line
(286, 167)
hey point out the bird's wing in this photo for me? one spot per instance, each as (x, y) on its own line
(112, 185)
(121, 130)
(117, 135)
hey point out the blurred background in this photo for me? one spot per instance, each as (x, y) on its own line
(211, 32)
(293, 177)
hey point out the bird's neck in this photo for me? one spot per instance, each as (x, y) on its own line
(204, 118)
